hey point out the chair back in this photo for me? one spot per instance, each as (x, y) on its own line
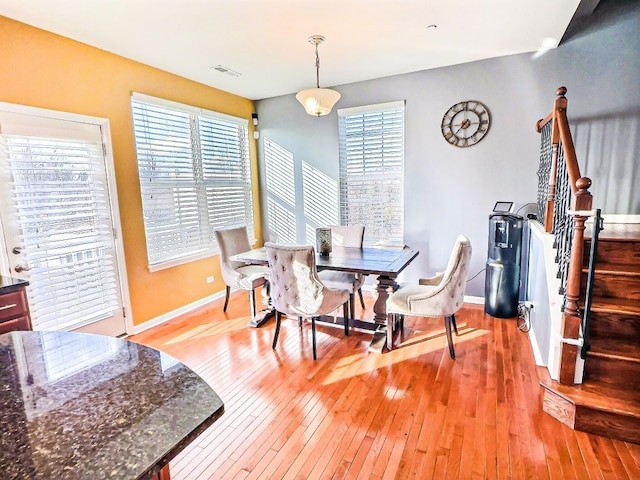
(231, 241)
(454, 279)
(347, 235)
(295, 286)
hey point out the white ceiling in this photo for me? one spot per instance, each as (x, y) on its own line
(266, 40)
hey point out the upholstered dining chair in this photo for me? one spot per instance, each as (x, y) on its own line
(296, 289)
(232, 241)
(346, 236)
(439, 296)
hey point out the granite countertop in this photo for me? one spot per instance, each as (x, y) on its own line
(9, 284)
(83, 406)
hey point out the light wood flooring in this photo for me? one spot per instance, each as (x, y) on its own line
(413, 413)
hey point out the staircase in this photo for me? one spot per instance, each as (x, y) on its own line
(607, 403)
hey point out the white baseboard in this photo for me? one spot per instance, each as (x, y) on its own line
(154, 322)
(474, 300)
(537, 355)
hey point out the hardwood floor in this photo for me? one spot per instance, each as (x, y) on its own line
(413, 413)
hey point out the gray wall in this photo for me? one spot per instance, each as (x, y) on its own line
(451, 190)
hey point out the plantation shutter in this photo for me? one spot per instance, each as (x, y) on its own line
(224, 148)
(372, 171)
(57, 183)
(195, 178)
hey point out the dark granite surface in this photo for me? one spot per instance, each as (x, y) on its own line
(8, 284)
(82, 406)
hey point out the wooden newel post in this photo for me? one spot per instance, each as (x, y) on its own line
(572, 315)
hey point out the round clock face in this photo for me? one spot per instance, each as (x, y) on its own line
(466, 123)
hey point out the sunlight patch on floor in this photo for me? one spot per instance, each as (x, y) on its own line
(211, 330)
(413, 347)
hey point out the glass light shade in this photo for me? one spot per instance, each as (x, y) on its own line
(318, 101)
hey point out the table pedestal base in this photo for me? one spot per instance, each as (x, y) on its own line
(262, 317)
(385, 286)
(379, 340)
(354, 324)
(379, 331)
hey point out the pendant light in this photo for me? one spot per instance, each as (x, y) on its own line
(318, 101)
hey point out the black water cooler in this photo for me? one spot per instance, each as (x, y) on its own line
(502, 280)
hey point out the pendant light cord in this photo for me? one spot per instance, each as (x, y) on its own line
(317, 66)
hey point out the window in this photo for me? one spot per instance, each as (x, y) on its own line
(372, 171)
(195, 178)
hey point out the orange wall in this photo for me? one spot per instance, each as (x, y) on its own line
(40, 69)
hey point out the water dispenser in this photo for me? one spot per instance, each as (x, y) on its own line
(502, 280)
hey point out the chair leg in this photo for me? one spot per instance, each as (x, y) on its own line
(277, 332)
(313, 337)
(226, 299)
(455, 326)
(345, 314)
(252, 302)
(390, 321)
(352, 306)
(447, 326)
(401, 326)
(361, 298)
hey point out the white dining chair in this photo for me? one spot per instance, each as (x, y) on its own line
(296, 289)
(232, 241)
(439, 296)
(351, 236)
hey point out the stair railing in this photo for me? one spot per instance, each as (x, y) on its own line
(586, 314)
(564, 205)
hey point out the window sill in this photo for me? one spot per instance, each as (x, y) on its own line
(156, 267)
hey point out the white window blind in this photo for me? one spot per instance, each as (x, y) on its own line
(372, 171)
(59, 191)
(195, 178)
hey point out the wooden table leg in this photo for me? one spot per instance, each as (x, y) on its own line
(163, 474)
(385, 287)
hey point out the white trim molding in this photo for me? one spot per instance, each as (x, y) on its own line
(474, 300)
(165, 317)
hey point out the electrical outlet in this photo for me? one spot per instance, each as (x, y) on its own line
(210, 279)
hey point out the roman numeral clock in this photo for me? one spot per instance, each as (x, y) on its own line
(466, 123)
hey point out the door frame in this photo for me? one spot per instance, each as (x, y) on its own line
(105, 132)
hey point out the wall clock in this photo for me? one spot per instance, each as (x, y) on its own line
(466, 123)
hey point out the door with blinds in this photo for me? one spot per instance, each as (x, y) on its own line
(57, 219)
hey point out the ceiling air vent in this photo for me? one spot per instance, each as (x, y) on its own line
(226, 71)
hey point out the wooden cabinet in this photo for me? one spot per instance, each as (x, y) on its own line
(14, 309)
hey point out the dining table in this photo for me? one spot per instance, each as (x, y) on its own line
(385, 262)
(77, 406)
